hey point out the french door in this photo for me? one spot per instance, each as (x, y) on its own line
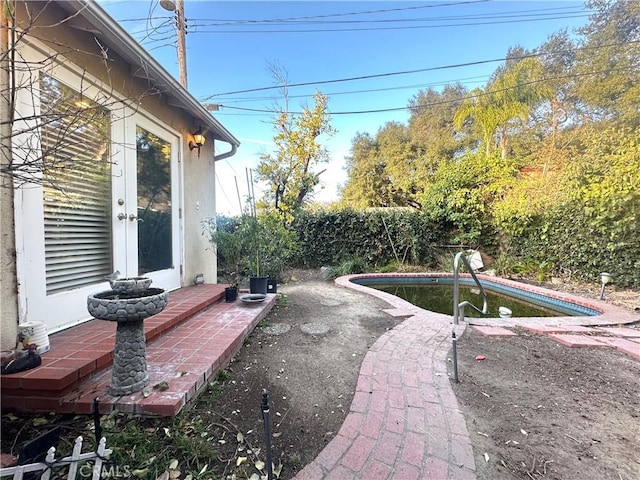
(146, 206)
(109, 200)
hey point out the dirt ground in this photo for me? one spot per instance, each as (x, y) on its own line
(534, 409)
(310, 377)
(539, 410)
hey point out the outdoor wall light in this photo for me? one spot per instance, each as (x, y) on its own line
(198, 141)
(604, 278)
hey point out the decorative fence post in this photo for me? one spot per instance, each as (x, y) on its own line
(50, 463)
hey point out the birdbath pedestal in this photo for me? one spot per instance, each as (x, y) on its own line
(128, 304)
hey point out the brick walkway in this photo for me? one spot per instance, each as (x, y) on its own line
(404, 422)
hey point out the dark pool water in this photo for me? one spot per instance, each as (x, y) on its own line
(439, 298)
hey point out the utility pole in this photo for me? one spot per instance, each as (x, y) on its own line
(182, 33)
(181, 25)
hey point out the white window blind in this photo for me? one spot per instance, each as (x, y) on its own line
(75, 140)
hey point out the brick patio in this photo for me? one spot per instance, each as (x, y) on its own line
(188, 343)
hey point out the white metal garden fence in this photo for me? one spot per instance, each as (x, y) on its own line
(87, 465)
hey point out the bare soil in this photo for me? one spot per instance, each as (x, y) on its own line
(534, 409)
(539, 410)
(310, 377)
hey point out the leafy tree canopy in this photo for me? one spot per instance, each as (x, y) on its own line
(291, 171)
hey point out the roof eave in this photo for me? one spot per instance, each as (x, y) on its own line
(120, 40)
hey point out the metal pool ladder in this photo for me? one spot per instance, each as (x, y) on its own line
(458, 307)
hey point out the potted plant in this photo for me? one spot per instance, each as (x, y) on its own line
(255, 246)
(273, 245)
(253, 231)
(281, 248)
(230, 251)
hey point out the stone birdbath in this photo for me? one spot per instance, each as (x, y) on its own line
(128, 303)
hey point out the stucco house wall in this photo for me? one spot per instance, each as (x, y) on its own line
(84, 45)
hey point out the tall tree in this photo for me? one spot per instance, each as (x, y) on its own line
(367, 183)
(558, 59)
(383, 171)
(431, 125)
(403, 162)
(609, 63)
(478, 113)
(546, 138)
(512, 93)
(291, 171)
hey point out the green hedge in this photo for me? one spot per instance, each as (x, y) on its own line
(568, 239)
(375, 236)
(563, 240)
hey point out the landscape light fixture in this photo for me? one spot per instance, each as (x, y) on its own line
(604, 278)
(198, 140)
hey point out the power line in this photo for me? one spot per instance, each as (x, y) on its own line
(362, 77)
(371, 29)
(197, 28)
(444, 102)
(407, 72)
(370, 90)
(520, 15)
(329, 15)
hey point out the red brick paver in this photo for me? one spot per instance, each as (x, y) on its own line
(495, 331)
(577, 340)
(623, 345)
(557, 329)
(404, 422)
(620, 331)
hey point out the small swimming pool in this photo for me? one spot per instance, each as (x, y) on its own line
(435, 293)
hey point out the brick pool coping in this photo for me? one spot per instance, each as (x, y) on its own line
(609, 314)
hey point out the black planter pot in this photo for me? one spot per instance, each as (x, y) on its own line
(258, 285)
(272, 285)
(230, 294)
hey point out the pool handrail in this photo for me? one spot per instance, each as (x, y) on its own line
(458, 306)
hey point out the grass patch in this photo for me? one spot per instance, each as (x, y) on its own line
(144, 447)
(150, 446)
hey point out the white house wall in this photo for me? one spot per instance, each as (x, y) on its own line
(80, 51)
(199, 208)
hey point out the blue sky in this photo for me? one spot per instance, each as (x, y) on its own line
(232, 44)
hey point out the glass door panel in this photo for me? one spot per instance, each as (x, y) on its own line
(154, 206)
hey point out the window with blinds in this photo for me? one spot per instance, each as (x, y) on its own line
(75, 140)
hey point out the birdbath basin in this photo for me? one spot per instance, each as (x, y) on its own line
(128, 304)
(130, 285)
